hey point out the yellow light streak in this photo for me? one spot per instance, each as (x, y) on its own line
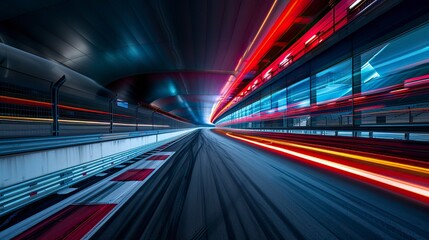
(349, 155)
(407, 186)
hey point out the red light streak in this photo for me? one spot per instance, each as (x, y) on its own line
(417, 81)
(27, 102)
(20, 101)
(324, 29)
(291, 11)
(286, 60)
(359, 98)
(370, 108)
(402, 186)
(370, 97)
(325, 26)
(399, 90)
(354, 4)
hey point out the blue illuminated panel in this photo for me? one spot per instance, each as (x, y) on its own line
(299, 94)
(334, 82)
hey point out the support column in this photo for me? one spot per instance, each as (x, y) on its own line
(313, 99)
(111, 101)
(356, 90)
(55, 88)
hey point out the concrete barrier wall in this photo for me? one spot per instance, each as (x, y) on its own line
(22, 167)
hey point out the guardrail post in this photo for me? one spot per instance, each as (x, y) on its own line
(111, 112)
(137, 119)
(407, 136)
(55, 88)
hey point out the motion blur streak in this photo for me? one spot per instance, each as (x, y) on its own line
(25, 119)
(217, 187)
(13, 100)
(279, 26)
(27, 102)
(409, 167)
(410, 188)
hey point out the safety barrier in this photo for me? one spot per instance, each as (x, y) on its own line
(21, 145)
(21, 194)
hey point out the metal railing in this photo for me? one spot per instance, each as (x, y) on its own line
(21, 194)
(22, 145)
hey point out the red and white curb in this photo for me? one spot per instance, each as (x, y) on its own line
(82, 214)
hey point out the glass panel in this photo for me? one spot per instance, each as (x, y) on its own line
(334, 82)
(393, 62)
(279, 100)
(299, 94)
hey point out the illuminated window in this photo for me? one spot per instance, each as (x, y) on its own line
(334, 82)
(396, 61)
(299, 94)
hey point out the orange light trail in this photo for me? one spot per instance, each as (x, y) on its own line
(14, 100)
(262, 48)
(409, 188)
(403, 166)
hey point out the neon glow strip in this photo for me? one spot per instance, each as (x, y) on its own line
(285, 60)
(231, 78)
(354, 4)
(310, 40)
(257, 34)
(403, 185)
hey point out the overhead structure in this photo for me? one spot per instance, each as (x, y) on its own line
(173, 55)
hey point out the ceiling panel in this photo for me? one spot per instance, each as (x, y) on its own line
(176, 55)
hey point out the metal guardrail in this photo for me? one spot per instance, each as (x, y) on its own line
(21, 194)
(15, 146)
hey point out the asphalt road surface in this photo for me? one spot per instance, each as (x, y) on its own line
(215, 187)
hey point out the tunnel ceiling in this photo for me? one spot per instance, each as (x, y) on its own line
(175, 55)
